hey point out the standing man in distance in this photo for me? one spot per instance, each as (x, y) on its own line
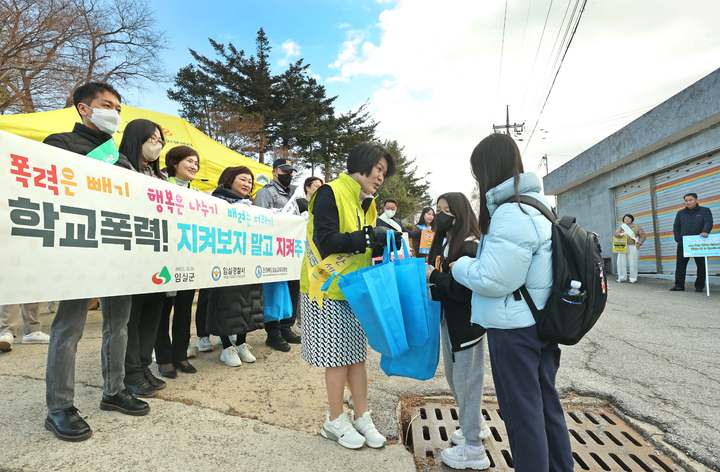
(275, 194)
(99, 107)
(387, 219)
(690, 221)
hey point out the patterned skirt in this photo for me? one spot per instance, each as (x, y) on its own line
(331, 336)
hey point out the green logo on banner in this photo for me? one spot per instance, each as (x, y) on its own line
(106, 152)
(162, 277)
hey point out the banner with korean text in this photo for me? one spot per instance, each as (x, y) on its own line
(74, 227)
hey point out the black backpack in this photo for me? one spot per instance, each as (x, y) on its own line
(576, 256)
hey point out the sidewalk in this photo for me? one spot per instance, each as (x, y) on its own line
(655, 354)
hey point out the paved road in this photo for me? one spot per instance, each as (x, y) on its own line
(654, 353)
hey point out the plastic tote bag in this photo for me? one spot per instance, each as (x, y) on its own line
(412, 288)
(372, 293)
(277, 302)
(418, 362)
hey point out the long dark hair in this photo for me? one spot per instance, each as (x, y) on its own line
(134, 136)
(421, 221)
(465, 226)
(495, 160)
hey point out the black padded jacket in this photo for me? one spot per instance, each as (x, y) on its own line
(455, 300)
(82, 140)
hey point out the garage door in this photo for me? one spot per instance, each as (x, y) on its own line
(701, 176)
(634, 198)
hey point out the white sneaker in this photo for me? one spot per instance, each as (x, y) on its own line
(244, 352)
(365, 426)
(461, 457)
(191, 351)
(36, 337)
(204, 344)
(458, 438)
(6, 341)
(230, 357)
(342, 431)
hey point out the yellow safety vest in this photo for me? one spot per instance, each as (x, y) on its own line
(352, 218)
(190, 185)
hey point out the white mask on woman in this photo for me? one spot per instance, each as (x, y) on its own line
(151, 151)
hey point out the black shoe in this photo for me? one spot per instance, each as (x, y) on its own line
(141, 388)
(125, 402)
(291, 337)
(278, 343)
(170, 374)
(699, 289)
(152, 380)
(67, 425)
(186, 369)
(677, 288)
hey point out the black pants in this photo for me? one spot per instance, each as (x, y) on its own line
(201, 313)
(142, 329)
(273, 328)
(167, 352)
(681, 269)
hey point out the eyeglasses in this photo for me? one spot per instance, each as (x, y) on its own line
(156, 140)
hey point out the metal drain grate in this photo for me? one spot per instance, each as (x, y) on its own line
(600, 440)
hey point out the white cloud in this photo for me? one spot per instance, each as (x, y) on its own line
(291, 49)
(344, 25)
(438, 73)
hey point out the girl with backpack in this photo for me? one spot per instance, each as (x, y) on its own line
(515, 250)
(463, 343)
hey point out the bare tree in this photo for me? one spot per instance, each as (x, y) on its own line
(50, 47)
(34, 35)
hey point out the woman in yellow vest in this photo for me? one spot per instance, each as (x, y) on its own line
(341, 238)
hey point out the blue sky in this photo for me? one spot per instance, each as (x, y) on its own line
(438, 76)
(318, 28)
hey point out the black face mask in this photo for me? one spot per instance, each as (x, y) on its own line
(285, 179)
(444, 222)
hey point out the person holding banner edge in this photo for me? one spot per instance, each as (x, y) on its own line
(342, 219)
(275, 195)
(635, 237)
(98, 105)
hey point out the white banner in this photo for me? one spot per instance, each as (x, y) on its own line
(74, 227)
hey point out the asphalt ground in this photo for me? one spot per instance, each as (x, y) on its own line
(654, 354)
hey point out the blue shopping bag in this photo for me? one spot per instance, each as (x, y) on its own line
(277, 304)
(418, 362)
(412, 288)
(373, 296)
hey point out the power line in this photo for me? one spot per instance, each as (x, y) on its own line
(502, 48)
(536, 54)
(567, 48)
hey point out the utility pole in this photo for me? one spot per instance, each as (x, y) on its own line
(516, 127)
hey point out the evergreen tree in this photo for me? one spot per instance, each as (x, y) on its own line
(409, 189)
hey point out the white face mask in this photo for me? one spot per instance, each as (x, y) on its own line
(151, 151)
(106, 120)
(390, 213)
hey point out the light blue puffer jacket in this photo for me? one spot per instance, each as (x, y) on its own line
(516, 250)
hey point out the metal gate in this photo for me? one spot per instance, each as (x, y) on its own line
(635, 198)
(700, 176)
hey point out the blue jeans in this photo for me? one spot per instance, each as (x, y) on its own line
(65, 333)
(523, 368)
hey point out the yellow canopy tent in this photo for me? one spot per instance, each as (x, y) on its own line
(214, 157)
